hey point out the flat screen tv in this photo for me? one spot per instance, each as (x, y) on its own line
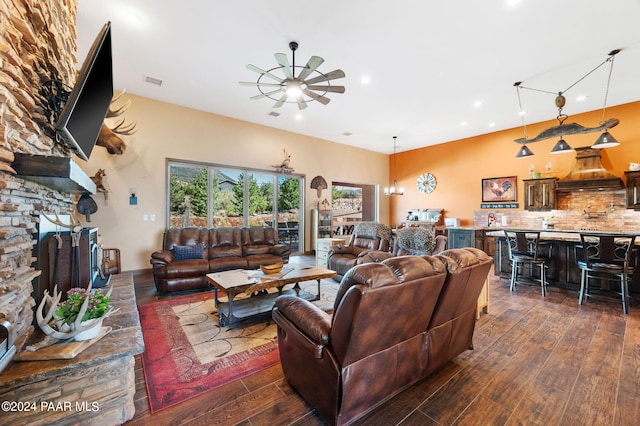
(87, 105)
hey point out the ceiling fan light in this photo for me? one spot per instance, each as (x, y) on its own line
(561, 147)
(605, 140)
(524, 152)
(294, 90)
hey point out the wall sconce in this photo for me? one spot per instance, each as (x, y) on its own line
(606, 140)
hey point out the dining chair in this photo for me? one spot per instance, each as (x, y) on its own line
(524, 250)
(606, 257)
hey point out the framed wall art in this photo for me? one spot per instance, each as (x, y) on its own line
(499, 190)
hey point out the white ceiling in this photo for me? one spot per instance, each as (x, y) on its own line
(428, 62)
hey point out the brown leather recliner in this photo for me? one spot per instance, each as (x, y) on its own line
(385, 333)
(188, 254)
(366, 236)
(450, 330)
(409, 242)
(373, 345)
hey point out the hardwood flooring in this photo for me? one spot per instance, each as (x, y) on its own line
(536, 360)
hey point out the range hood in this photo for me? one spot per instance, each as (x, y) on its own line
(589, 174)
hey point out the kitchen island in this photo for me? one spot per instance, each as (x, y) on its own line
(563, 268)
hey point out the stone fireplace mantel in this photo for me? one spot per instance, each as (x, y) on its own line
(95, 387)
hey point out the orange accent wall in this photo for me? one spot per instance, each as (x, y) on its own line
(459, 166)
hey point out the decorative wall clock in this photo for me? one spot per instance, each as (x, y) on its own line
(426, 183)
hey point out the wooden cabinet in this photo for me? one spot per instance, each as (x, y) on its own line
(633, 190)
(540, 194)
(323, 245)
(321, 223)
(470, 237)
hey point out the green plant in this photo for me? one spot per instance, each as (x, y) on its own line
(69, 310)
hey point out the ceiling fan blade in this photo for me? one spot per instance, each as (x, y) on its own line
(334, 89)
(313, 63)
(301, 103)
(280, 101)
(326, 77)
(267, 94)
(266, 73)
(322, 99)
(284, 63)
(254, 83)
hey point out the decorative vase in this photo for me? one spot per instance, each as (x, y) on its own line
(89, 333)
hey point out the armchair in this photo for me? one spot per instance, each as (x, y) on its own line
(366, 236)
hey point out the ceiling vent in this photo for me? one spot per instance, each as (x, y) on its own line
(589, 173)
(274, 114)
(153, 80)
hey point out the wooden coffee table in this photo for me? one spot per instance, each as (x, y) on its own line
(252, 283)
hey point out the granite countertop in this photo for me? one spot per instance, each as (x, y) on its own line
(556, 234)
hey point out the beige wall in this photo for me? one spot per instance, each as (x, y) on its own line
(170, 131)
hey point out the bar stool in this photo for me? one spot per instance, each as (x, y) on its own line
(606, 257)
(523, 247)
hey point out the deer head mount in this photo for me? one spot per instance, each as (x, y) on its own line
(109, 138)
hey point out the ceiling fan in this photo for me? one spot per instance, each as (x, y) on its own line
(292, 88)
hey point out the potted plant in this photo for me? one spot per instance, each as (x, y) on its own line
(79, 317)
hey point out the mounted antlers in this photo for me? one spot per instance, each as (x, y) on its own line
(108, 137)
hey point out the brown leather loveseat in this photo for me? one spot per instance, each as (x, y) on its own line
(393, 323)
(188, 254)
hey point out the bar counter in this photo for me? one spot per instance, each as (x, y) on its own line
(563, 269)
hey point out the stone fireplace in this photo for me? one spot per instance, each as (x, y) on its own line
(37, 43)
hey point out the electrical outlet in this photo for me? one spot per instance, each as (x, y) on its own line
(145, 217)
(152, 217)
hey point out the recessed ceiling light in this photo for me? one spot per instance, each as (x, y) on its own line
(522, 112)
(581, 98)
(464, 123)
(492, 124)
(298, 116)
(365, 79)
(477, 104)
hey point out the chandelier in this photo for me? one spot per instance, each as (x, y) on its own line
(394, 189)
(605, 140)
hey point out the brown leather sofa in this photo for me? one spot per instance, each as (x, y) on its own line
(366, 236)
(188, 254)
(393, 323)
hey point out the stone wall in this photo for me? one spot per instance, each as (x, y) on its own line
(37, 43)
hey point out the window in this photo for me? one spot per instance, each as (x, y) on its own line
(352, 203)
(214, 196)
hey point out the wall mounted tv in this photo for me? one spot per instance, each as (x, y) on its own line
(87, 105)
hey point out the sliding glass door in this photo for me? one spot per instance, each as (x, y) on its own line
(213, 196)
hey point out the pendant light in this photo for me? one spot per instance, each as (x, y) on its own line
(606, 140)
(394, 189)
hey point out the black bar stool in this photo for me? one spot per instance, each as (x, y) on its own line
(524, 249)
(606, 257)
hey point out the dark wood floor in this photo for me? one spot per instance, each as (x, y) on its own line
(543, 361)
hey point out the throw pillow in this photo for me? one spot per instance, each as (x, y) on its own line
(188, 252)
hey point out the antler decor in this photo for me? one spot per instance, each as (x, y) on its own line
(54, 328)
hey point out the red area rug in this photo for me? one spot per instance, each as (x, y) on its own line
(187, 353)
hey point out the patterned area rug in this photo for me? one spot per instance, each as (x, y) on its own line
(187, 353)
